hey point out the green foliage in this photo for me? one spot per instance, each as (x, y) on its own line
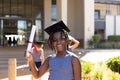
(100, 63)
(116, 45)
(114, 38)
(90, 43)
(104, 46)
(98, 75)
(113, 76)
(96, 38)
(108, 45)
(97, 71)
(114, 64)
(87, 67)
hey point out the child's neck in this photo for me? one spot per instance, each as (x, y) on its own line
(61, 54)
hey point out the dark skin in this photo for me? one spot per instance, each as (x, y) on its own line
(60, 46)
(74, 41)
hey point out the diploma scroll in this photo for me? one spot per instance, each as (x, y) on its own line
(29, 46)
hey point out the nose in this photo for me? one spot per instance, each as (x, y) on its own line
(58, 41)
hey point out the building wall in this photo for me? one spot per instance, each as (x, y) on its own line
(88, 21)
(81, 20)
(112, 25)
(109, 26)
(114, 9)
(117, 22)
(103, 8)
(76, 19)
(71, 12)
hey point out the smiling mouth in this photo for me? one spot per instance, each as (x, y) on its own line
(59, 46)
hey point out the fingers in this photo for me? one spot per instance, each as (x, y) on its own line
(26, 53)
(29, 58)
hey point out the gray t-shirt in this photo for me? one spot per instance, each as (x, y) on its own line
(37, 58)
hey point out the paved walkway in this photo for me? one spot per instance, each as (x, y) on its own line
(100, 55)
(17, 52)
(28, 77)
(12, 52)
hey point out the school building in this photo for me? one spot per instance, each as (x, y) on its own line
(83, 17)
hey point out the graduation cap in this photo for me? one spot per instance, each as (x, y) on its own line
(59, 26)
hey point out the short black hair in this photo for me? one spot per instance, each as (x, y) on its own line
(39, 42)
(50, 39)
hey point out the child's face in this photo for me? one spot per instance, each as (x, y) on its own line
(59, 42)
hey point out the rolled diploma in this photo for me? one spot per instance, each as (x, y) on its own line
(31, 39)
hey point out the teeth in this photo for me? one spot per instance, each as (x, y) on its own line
(59, 45)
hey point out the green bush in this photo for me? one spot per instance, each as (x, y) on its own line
(114, 38)
(104, 46)
(113, 76)
(90, 43)
(96, 38)
(98, 75)
(86, 67)
(116, 45)
(108, 45)
(114, 64)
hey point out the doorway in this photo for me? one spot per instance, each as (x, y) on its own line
(17, 18)
(15, 32)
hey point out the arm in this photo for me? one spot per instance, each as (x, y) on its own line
(76, 68)
(74, 41)
(76, 44)
(42, 55)
(43, 68)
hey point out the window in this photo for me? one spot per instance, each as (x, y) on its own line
(97, 14)
(54, 18)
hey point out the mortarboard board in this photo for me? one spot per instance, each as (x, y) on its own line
(59, 26)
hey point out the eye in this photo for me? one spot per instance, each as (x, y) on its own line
(62, 38)
(54, 40)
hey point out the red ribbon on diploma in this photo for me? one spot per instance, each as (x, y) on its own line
(34, 47)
